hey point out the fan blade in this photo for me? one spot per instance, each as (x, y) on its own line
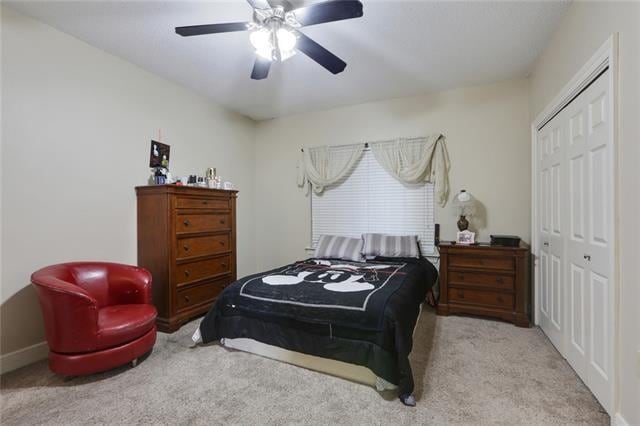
(260, 68)
(329, 11)
(320, 54)
(211, 28)
(259, 4)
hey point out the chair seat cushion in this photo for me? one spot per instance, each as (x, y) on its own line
(119, 324)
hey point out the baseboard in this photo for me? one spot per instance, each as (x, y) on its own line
(21, 357)
(618, 420)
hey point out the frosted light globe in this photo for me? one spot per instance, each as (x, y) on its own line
(261, 40)
(286, 40)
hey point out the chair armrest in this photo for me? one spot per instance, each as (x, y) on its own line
(70, 315)
(129, 285)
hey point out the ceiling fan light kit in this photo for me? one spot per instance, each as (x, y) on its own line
(273, 40)
(274, 32)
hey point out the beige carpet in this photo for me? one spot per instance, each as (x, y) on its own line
(468, 371)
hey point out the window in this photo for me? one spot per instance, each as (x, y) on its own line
(371, 200)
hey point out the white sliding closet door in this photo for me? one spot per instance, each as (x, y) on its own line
(575, 210)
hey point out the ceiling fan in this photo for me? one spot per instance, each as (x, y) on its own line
(275, 35)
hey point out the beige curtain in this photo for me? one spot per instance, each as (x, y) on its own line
(326, 165)
(416, 160)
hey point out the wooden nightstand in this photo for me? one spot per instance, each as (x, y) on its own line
(485, 280)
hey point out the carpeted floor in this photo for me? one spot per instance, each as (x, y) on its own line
(467, 371)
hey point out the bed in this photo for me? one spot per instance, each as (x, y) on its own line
(350, 319)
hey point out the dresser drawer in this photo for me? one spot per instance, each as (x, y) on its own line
(201, 203)
(202, 222)
(192, 271)
(481, 279)
(201, 246)
(481, 297)
(199, 294)
(481, 262)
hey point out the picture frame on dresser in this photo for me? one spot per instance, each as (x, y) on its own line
(187, 240)
(486, 280)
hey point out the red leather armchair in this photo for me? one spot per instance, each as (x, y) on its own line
(97, 315)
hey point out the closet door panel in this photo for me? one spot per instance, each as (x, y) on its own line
(544, 203)
(578, 344)
(599, 249)
(552, 224)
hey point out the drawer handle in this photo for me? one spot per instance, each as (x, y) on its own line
(461, 295)
(499, 280)
(186, 222)
(500, 300)
(205, 202)
(186, 247)
(186, 299)
(221, 243)
(224, 265)
(221, 221)
(461, 277)
(186, 272)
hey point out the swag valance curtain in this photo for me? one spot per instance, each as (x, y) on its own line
(410, 161)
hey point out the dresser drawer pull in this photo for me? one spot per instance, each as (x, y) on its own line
(222, 243)
(224, 265)
(500, 299)
(461, 277)
(186, 247)
(186, 299)
(221, 221)
(461, 295)
(499, 280)
(186, 272)
(205, 202)
(186, 222)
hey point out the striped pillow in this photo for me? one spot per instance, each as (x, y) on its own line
(338, 247)
(390, 245)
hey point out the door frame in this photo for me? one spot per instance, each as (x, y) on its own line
(605, 56)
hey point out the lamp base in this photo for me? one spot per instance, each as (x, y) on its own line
(463, 223)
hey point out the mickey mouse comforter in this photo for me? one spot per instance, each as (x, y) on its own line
(363, 313)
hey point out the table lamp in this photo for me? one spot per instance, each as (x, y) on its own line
(465, 206)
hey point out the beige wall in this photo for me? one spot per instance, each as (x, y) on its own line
(75, 138)
(584, 29)
(487, 130)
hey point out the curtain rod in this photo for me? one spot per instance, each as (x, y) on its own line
(366, 144)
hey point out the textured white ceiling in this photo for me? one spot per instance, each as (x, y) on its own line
(399, 48)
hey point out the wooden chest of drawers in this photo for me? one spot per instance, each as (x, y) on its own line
(485, 280)
(187, 239)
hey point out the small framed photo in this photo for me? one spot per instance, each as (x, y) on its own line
(466, 237)
(159, 155)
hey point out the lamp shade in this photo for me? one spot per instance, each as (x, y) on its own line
(464, 204)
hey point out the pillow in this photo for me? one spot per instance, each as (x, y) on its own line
(390, 245)
(338, 247)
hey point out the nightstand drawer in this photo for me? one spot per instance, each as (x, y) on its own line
(481, 279)
(481, 297)
(481, 262)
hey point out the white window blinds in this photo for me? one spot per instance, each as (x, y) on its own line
(371, 200)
